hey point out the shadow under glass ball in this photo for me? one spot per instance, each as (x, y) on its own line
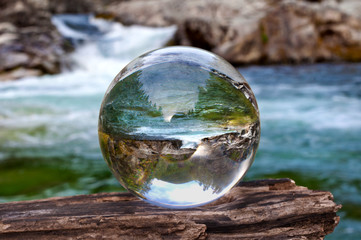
(179, 127)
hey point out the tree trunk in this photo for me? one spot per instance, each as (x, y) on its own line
(264, 209)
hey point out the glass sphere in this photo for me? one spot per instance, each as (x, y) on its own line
(179, 127)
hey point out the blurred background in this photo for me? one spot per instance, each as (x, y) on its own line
(301, 58)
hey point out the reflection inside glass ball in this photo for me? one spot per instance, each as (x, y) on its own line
(179, 127)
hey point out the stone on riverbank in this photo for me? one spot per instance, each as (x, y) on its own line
(241, 31)
(29, 44)
(244, 31)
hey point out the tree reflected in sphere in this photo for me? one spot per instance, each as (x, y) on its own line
(179, 127)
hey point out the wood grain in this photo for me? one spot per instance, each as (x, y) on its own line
(263, 209)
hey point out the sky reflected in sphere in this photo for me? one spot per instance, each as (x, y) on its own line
(179, 127)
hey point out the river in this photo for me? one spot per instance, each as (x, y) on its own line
(310, 118)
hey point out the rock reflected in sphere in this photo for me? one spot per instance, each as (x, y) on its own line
(179, 127)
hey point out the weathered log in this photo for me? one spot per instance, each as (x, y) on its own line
(264, 209)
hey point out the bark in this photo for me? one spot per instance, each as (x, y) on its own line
(263, 209)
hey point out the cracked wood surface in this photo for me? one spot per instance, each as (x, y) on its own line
(262, 209)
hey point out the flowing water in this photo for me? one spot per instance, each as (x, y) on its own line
(310, 118)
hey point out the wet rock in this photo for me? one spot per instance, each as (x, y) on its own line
(29, 44)
(241, 31)
(19, 73)
(245, 31)
(299, 32)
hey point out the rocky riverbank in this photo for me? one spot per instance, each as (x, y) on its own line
(263, 31)
(241, 31)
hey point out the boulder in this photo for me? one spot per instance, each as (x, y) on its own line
(299, 32)
(29, 44)
(241, 31)
(245, 31)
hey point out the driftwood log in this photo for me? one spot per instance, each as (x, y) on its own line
(264, 209)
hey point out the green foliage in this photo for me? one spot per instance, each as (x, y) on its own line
(127, 106)
(175, 172)
(221, 101)
(264, 36)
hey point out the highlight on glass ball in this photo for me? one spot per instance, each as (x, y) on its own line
(179, 127)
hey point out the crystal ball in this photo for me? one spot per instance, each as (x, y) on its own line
(179, 127)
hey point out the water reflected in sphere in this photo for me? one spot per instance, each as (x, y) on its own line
(179, 127)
